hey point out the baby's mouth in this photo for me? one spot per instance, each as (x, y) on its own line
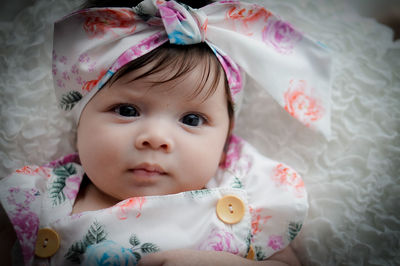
(148, 170)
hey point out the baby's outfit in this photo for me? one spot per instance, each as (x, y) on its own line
(253, 208)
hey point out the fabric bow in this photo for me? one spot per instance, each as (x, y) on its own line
(91, 45)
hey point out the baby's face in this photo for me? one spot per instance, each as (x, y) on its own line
(137, 138)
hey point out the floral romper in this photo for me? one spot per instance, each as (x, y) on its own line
(253, 207)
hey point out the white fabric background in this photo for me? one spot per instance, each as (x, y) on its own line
(353, 180)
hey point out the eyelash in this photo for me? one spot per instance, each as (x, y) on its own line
(117, 109)
(202, 118)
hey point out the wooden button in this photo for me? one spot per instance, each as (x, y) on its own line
(230, 209)
(47, 243)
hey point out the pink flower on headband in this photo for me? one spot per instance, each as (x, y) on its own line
(281, 35)
(301, 104)
(99, 23)
(246, 15)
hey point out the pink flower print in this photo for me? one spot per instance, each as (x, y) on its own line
(60, 83)
(137, 51)
(233, 74)
(170, 15)
(80, 81)
(71, 158)
(246, 15)
(286, 176)
(97, 24)
(26, 224)
(131, 203)
(65, 75)
(92, 67)
(220, 240)
(233, 153)
(300, 104)
(281, 35)
(275, 242)
(14, 190)
(152, 41)
(128, 56)
(25, 221)
(232, 71)
(54, 69)
(72, 187)
(21, 203)
(63, 60)
(84, 58)
(74, 69)
(257, 220)
(76, 216)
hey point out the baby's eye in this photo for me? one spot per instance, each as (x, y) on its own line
(193, 120)
(126, 110)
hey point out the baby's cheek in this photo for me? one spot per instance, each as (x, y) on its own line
(208, 166)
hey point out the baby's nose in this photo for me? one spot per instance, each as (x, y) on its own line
(154, 138)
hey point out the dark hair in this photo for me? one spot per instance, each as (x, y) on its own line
(184, 58)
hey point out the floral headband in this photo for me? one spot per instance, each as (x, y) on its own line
(91, 45)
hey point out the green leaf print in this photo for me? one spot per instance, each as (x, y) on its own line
(144, 248)
(248, 241)
(149, 248)
(69, 100)
(294, 229)
(56, 192)
(65, 170)
(260, 255)
(137, 255)
(237, 183)
(199, 193)
(75, 251)
(134, 240)
(95, 235)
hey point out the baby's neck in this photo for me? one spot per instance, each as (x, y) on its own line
(90, 198)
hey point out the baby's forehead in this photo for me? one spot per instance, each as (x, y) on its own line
(191, 86)
(193, 82)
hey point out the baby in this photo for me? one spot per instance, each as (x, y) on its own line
(158, 178)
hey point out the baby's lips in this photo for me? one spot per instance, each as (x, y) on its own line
(151, 168)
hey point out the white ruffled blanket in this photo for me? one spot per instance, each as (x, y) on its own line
(353, 181)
